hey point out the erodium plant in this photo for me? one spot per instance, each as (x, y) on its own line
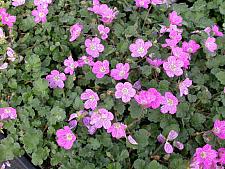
(113, 84)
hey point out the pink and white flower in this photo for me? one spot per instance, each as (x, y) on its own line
(216, 31)
(125, 91)
(18, 2)
(40, 14)
(219, 129)
(103, 31)
(101, 118)
(91, 97)
(121, 71)
(142, 3)
(65, 138)
(140, 48)
(100, 69)
(210, 44)
(70, 65)
(94, 47)
(7, 113)
(56, 79)
(190, 47)
(173, 66)
(169, 102)
(118, 130)
(175, 19)
(183, 86)
(75, 31)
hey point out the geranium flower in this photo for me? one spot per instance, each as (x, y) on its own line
(75, 31)
(7, 113)
(219, 129)
(94, 47)
(40, 14)
(125, 91)
(91, 128)
(210, 44)
(175, 19)
(70, 65)
(103, 31)
(85, 60)
(18, 2)
(139, 48)
(183, 86)
(100, 69)
(190, 47)
(173, 66)
(91, 97)
(169, 102)
(181, 55)
(155, 62)
(101, 118)
(118, 130)
(149, 99)
(56, 79)
(158, 2)
(142, 3)
(7, 19)
(205, 156)
(65, 138)
(216, 31)
(121, 71)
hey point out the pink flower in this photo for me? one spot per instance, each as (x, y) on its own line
(85, 60)
(7, 19)
(70, 65)
(42, 2)
(94, 47)
(183, 86)
(161, 138)
(65, 138)
(169, 102)
(18, 2)
(140, 48)
(175, 38)
(216, 31)
(125, 91)
(149, 99)
(101, 118)
(131, 140)
(11, 54)
(40, 14)
(103, 31)
(158, 2)
(155, 62)
(221, 154)
(205, 156)
(121, 71)
(100, 69)
(91, 128)
(107, 14)
(173, 66)
(91, 97)
(178, 145)
(190, 47)
(75, 31)
(142, 3)
(210, 44)
(2, 34)
(182, 56)
(219, 129)
(117, 130)
(172, 135)
(175, 19)
(168, 148)
(7, 113)
(4, 66)
(56, 79)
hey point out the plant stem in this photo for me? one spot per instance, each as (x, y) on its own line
(146, 16)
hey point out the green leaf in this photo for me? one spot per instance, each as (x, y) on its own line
(221, 77)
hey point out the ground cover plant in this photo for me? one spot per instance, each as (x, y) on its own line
(113, 84)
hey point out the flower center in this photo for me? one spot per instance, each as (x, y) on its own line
(173, 67)
(121, 73)
(7, 111)
(170, 102)
(102, 69)
(216, 130)
(92, 98)
(141, 50)
(69, 137)
(125, 91)
(56, 78)
(190, 50)
(117, 125)
(203, 154)
(92, 47)
(72, 66)
(142, 3)
(41, 14)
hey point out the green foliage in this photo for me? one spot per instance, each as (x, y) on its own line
(42, 111)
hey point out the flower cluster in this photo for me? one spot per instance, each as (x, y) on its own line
(171, 137)
(6, 18)
(145, 3)
(107, 14)
(41, 11)
(208, 158)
